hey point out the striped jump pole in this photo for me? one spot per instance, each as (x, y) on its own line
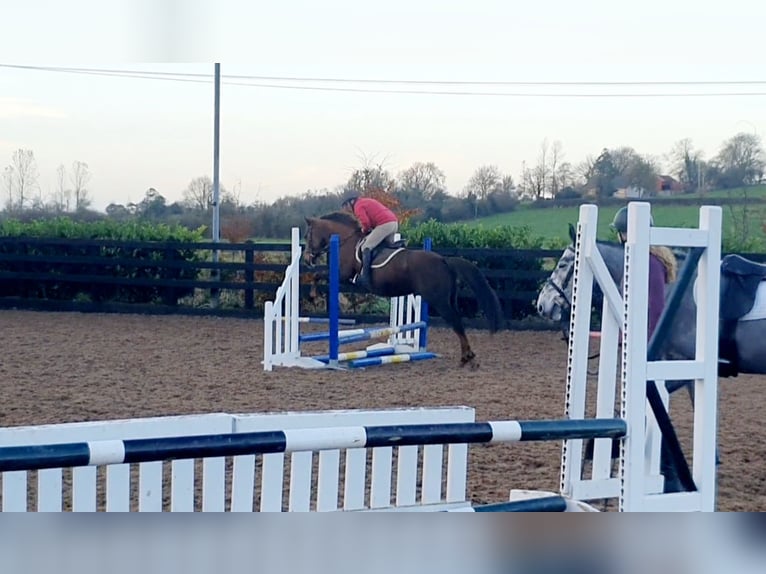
(325, 335)
(377, 333)
(106, 452)
(325, 320)
(352, 355)
(389, 359)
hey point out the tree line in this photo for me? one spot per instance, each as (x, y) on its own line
(419, 192)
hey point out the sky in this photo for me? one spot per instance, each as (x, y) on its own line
(135, 133)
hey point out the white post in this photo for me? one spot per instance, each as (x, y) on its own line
(634, 348)
(295, 294)
(706, 389)
(579, 335)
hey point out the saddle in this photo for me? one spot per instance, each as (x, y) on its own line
(740, 279)
(385, 251)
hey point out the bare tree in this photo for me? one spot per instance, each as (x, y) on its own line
(566, 176)
(8, 185)
(742, 160)
(586, 169)
(370, 177)
(61, 194)
(24, 178)
(484, 181)
(557, 155)
(540, 174)
(423, 178)
(80, 177)
(198, 193)
(686, 163)
(507, 186)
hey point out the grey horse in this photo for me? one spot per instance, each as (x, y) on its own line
(553, 302)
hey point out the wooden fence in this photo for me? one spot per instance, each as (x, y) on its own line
(148, 277)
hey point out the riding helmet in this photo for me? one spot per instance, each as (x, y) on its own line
(620, 221)
(349, 200)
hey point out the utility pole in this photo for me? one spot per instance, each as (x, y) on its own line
(216, 180)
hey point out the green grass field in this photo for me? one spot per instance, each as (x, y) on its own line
(553, 222)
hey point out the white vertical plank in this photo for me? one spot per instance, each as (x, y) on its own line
(327, 480)
(355, 479)
(15, 491)
(272, 477)
(243, 483)
(182, 486)
(214, 484)
(49, 490)
(300, 482)
(118, 488)
(407, 475)
(84, 489)
(433, 462)
(382, 468)
(150, 487)
(457, 472)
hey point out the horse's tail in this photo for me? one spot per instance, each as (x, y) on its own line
(485, 295)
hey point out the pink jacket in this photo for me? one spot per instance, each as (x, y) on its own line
(371, 213)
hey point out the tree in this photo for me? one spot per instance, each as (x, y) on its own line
(604, 174)
(21, 179)
(539, 175)
(8, 179)
(566, 179)
(586, 170)
(557, 156)
(370, 177)
(422, 179)
(152, 206)
(484, 181)
(199, 193)
(61, 195)
(79, 178)
(741, 160)
(686, 163)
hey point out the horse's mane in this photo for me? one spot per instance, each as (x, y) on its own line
(343, 218)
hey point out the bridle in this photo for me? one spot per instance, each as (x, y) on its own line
(564, 283)
(314, 255)
(566, 310)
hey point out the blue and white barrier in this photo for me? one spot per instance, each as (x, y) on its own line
(105, 452)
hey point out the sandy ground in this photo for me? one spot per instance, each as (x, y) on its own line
(64, 367)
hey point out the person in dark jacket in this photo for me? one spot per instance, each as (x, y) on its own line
(662, 269)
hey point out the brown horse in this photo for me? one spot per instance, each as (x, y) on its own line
(397, 272)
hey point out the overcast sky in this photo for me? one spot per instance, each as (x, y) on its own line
(136, 133)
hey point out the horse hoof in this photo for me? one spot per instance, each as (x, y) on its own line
(469, 360)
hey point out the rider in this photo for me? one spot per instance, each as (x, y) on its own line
(378, 222)
(662, 268)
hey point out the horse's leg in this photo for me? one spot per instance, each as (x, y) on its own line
(447, 312)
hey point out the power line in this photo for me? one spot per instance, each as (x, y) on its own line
(267, 82)
(405, 82)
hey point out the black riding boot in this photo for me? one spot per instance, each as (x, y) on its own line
(364, 275)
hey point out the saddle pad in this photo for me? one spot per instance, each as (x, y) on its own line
(758, 311)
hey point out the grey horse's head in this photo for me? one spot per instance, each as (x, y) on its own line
(555, 298)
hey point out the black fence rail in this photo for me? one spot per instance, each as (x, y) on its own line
(215, 278)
